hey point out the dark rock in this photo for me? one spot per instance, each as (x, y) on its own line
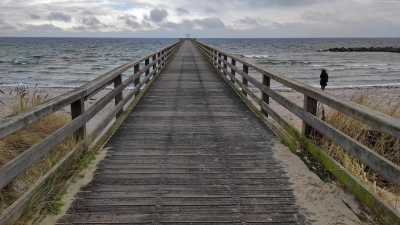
(364, 49)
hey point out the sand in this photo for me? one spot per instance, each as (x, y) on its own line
(321, 202)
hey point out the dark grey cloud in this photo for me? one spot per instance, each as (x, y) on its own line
(211, 22)
(130, 20)
(210, 10)
(158, 15)
(59, 16)
(249, 21)
(275, 3)
(91, 22)
(146, 24)
(187, 24)
(6, 27)
(181, 11)
(34, 16)
(79, 28)
(43, 27)
(170, 25)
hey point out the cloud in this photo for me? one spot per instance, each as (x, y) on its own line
(43, 27)
(146, 24)
(248, 21)
(59, 16)
(276, 3)
(7, 27)
(34, 16)
(92, 22)
(158, 15)
(210, 10)
(211, 22)
(170, 25)
(188, 24)
(130, 20)
(181, 11)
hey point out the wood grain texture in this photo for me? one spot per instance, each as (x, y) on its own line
(190, 152)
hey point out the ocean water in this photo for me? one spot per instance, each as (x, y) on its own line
(67, 62)
(71, 62)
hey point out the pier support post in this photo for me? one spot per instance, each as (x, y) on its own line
(244, 80)
(233, 72)
(119, 97)
(77, 109)
(310, 105)
(264, 97)
(136, 69)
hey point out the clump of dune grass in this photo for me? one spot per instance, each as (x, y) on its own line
(382, 143)
(16, 143)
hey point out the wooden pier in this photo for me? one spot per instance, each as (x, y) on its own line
(188, 146)
(190, 152)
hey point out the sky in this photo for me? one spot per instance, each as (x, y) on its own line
(200, 18)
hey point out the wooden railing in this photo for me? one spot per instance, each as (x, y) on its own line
(390, 171)
(153, 64)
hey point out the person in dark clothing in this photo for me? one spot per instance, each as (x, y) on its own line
(324, 79)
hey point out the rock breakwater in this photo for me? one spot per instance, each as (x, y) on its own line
(364, 49)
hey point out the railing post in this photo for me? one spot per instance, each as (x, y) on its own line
(158, 56)
(225, 66)
(77, 109)
(154, 59)
(219, 60)
(233, 72)
(146, 63)
(136, 69)
(215, 57)
(310, 105)
(119, 96)
(244, 80)
(163, 58)
(266, 80)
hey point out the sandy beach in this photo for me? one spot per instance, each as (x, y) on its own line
(322, 203)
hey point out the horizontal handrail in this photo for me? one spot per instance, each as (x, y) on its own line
(11, 124)
(380, 121)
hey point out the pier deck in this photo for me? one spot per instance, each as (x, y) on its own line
(190, 152)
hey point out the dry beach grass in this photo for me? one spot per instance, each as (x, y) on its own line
(19, 99)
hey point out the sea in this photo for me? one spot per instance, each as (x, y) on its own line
(72, 62)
